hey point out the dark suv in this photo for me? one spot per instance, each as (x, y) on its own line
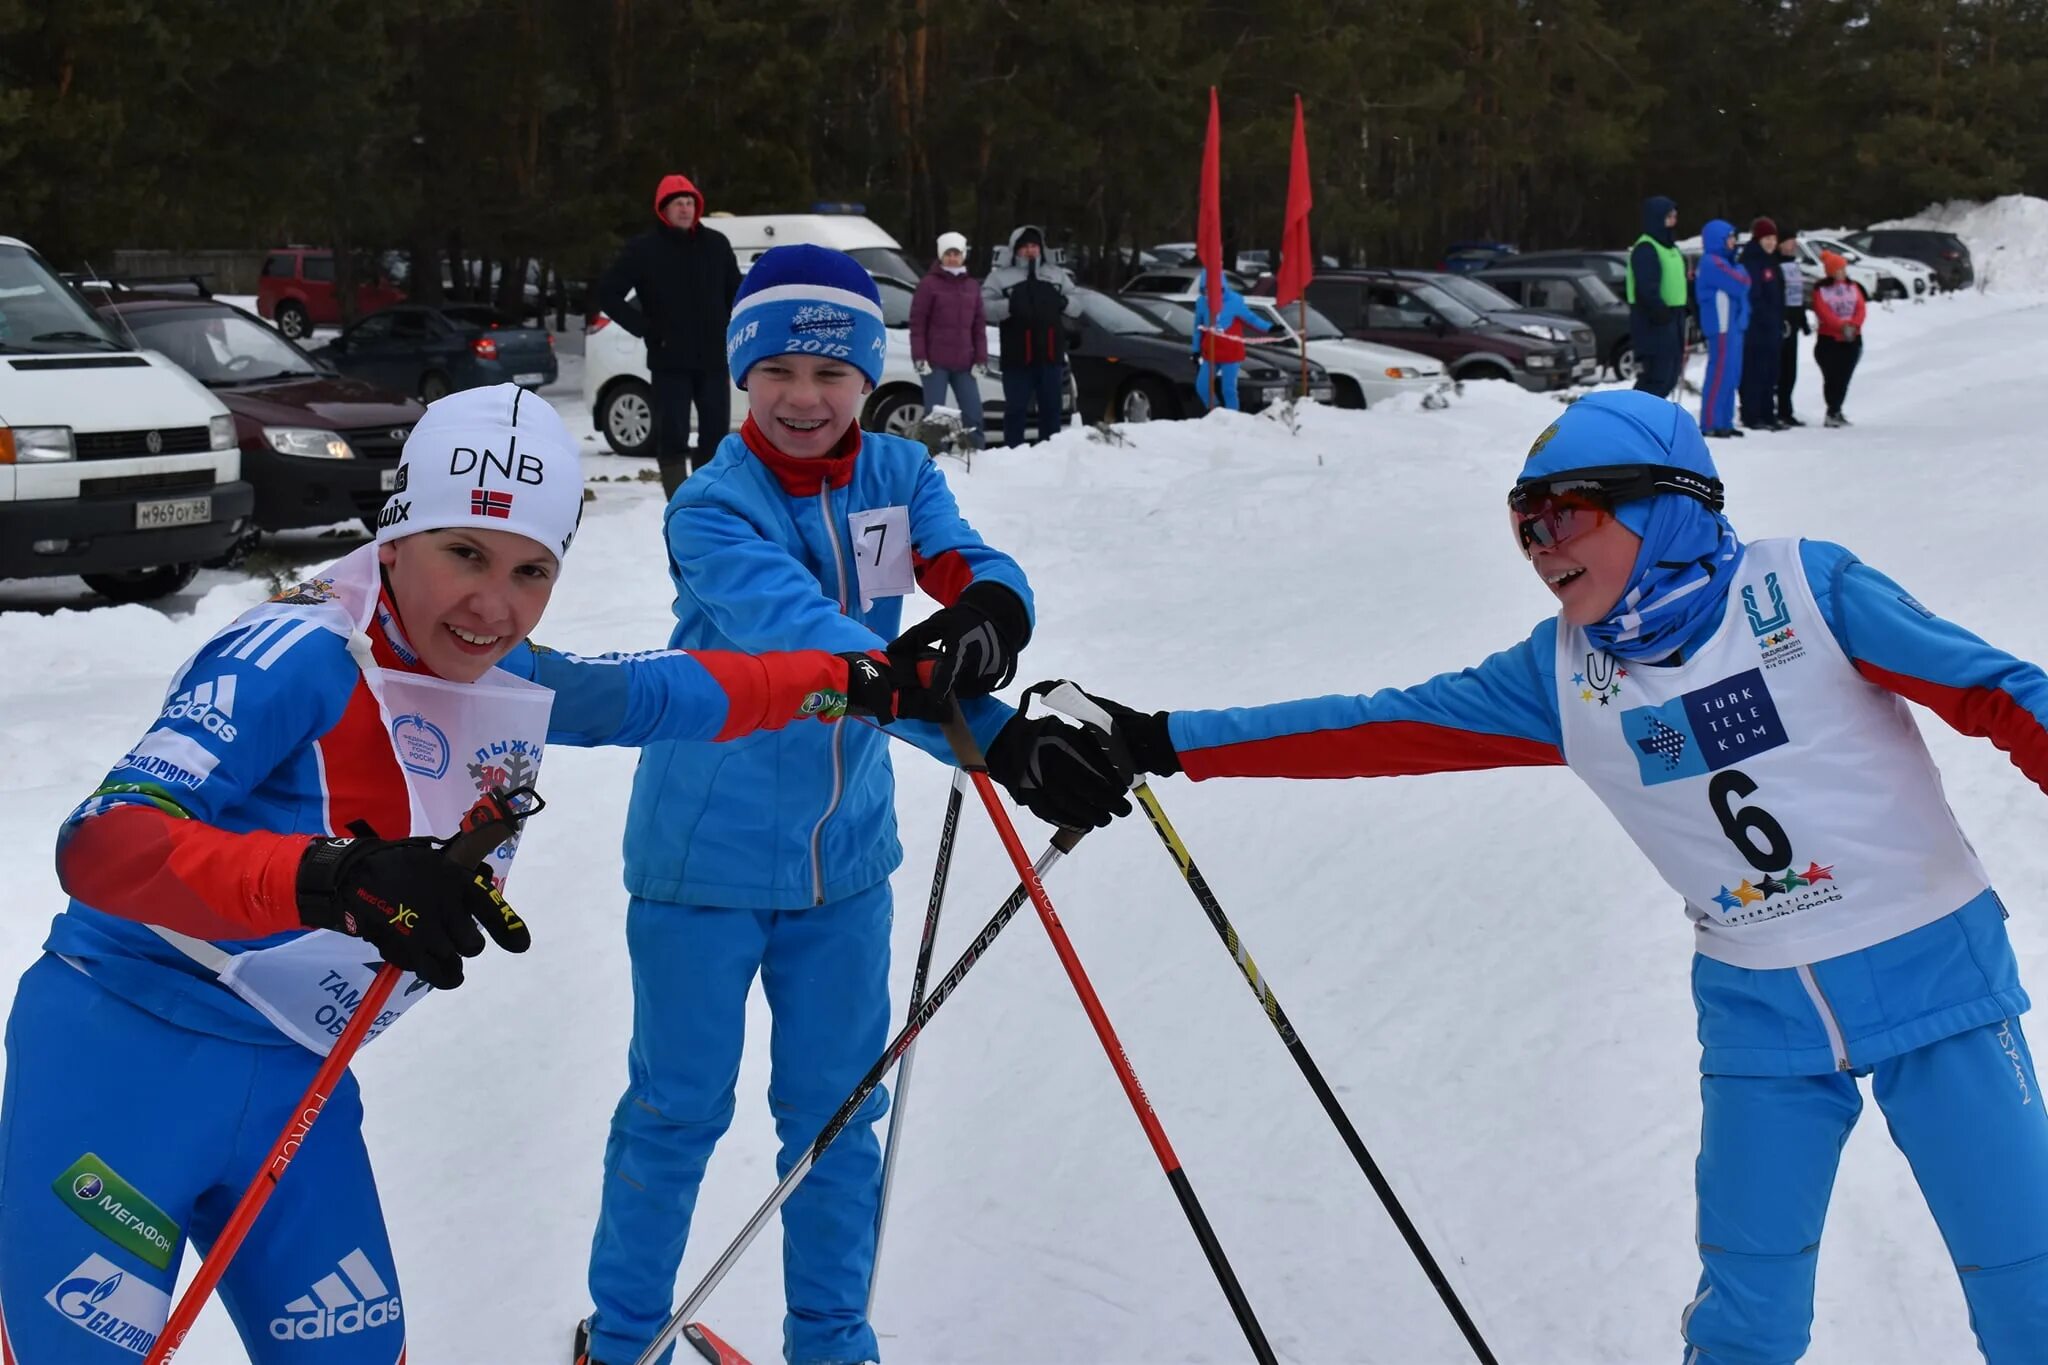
(1573, 292)
(1415, 313)
(1941, 252)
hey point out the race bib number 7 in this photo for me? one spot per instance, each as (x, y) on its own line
(881, 553)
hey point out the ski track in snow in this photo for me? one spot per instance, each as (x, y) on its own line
(1485, 969)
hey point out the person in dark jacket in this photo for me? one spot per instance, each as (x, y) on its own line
(683, 276)
(949, 333)
(1765, 337)
(1797, 289)
(1027, 299)
(1656, 300)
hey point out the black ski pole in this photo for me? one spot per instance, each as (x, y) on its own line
(940, 868)
(967, 753)
(1295, 1048)
(1062, 844)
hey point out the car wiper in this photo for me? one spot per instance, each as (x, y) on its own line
(94, 337)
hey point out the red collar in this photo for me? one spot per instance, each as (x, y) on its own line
(388, 645)
(803, 478)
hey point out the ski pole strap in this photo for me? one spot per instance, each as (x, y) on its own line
(1064, 698)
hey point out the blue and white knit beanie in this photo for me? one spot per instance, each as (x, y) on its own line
(806, 300)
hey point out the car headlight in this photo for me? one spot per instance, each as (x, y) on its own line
(310, 442)
(1541, 362)
(1538, 330)
(1403, 372)
(220, 432)
(34, 445)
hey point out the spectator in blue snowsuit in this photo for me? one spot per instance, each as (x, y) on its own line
(260, 846)
(1225, 343)
(1741, 709)
(1656, 300)
(1723, 290)
(1764, 337)
(774, 858)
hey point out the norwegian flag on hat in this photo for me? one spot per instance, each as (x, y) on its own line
(489, 502)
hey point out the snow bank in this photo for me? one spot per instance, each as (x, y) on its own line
(2008, 238)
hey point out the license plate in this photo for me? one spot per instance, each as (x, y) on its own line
(530, 380)
(153, 516)
(387, 479)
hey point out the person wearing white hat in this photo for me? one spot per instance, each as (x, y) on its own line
(949, 333)
(282, 825)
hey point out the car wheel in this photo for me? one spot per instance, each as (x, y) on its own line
(895, 411)
(292, 319)
(1482, 370)
(142, 585)
(1346, 391)
(1890, 289)
(1624, 363)
(433, 384)
(626, 417)
(1144, 399)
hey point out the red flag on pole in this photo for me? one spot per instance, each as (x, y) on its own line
(1209, 232)
(1297, 261)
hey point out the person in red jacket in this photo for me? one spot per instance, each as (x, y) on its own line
(1838, 308)
(949, 333)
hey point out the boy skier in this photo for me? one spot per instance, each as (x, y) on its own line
(774, 857)
(281, 822)
(1740, 708)
(1222, 343)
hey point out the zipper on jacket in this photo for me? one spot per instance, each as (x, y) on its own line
(838, 760)
(1826, 1012)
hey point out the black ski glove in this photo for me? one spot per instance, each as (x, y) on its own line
(889, 689)
(404, 897)
(1145, 735)
(1060, 772)
(972, 645)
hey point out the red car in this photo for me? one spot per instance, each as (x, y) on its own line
(296, 290)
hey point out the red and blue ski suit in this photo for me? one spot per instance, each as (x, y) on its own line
(269, 737)
(1723, 289)
(1225, 344)
(1931, 1014)
(772, 856)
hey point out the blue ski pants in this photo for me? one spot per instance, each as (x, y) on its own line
(825, 971)
(1724, 377)
(185, 1119)
(1226, 382)
(1967, 1111)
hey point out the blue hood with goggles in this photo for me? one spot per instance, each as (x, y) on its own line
(1647, 455)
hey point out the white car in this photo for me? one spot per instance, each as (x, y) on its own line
(616, 386)
(1882, 277)
(1362, 373)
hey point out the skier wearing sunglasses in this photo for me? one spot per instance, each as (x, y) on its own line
(1741, 709)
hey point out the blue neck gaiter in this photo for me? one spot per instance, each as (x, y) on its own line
(1680, 582)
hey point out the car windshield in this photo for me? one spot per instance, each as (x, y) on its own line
(1453, 309)
(1320, 328)
(1113, 316)
(1482, 297)
(1177, 318)
(892, 261)
(218, 346)
(896, 297)
(37, 313)
(1598, 292)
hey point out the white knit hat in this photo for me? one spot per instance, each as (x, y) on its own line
(496, 459)
(952, 241)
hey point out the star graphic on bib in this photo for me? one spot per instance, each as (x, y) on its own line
(1747, 893)
(1578, 679)
(1728, 900)
(1585, 695)
(1791, 879)
(1815, 873)
(1771, 886)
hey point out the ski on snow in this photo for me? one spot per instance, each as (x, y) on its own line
(711, 1346)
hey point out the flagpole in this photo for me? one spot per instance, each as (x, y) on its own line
(1301, 313)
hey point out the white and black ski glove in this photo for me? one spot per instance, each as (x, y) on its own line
(1145, 736)
(972, 645)
(1062, 773)
(406, 899)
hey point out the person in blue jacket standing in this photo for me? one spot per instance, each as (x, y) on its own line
(1740, 707)
(1764, 337)
(1225, 338)
(1723, 288)
(774, 859)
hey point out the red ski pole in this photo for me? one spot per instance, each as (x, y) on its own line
(480, 834)
(967, 753)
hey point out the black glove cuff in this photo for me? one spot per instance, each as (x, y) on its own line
(320, 871)
(1004, 609)
(1151, 744)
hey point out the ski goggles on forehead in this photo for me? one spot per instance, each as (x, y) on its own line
(1551, 511)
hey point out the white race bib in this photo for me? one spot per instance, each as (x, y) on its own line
(881, 553)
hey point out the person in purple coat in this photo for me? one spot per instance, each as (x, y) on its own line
(949, 333)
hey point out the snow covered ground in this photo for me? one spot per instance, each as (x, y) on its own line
(1490, 975)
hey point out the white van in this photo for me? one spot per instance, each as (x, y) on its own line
(860, 238)
(115, 464)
